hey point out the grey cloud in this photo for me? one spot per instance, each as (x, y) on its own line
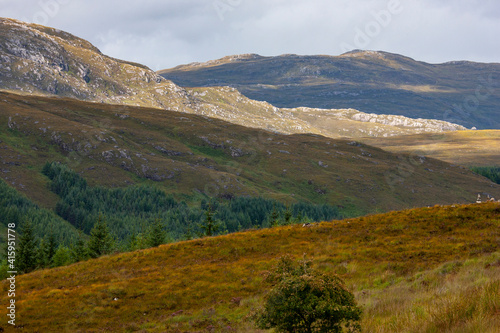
(163, 34)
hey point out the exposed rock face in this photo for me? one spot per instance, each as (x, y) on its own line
(401, 121)
(40, 60)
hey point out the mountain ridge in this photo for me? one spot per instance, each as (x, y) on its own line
(370, 81)
(46, 61)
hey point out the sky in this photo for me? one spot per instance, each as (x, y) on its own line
(165, 33)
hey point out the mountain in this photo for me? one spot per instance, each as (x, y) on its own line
(429, 269)
(39, 60)
(192, 156)
(461, 92)
(229, 104)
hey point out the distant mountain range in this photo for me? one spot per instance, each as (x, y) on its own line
(45, 61)
(465, 93)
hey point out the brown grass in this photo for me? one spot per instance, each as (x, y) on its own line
(469, 148)
(410, 270)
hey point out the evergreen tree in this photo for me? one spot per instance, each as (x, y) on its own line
(62, 257)
(188, 235)
(135, 242)
(210, 225)
(27, 249)
(287, 215)
(101, 242)
(78, 251)
(274, 217)
(157, 234)
(298, 219)
(46, 251)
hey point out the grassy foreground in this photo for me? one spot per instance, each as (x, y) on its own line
(431, 269)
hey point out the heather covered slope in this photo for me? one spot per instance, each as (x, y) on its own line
(193, 156)
(383, 83)
(429, 269)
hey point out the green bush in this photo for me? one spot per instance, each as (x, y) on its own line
(305, 300)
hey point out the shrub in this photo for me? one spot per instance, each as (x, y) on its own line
(305, 300)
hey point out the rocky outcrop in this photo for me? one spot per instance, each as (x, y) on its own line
(40, 60)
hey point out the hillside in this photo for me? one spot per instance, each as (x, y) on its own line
(46, 61)
(429, 269)
(229, 104)
(39, 60)
(193, 157)
(374, 82)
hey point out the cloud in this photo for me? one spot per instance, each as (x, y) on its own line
(164, 34)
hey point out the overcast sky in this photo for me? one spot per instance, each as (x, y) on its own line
(165, 33)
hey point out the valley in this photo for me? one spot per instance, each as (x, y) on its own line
(158, 201)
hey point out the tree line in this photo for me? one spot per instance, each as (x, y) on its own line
(90, 221)
(131, 210)
(16, 208)
(493, 173)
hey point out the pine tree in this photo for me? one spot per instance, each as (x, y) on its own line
(61, 257)
(298, 219)
(27, 249)
(288, 215)
(134, 242)
(79, 251)
(101, 242)
(157, 234)
(46, 251)
(41, 259)
(274, 217)
(210, 225)
(188, 235)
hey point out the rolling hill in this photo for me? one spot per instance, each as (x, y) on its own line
(430, 269)
(462, 92)
(192, 156)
